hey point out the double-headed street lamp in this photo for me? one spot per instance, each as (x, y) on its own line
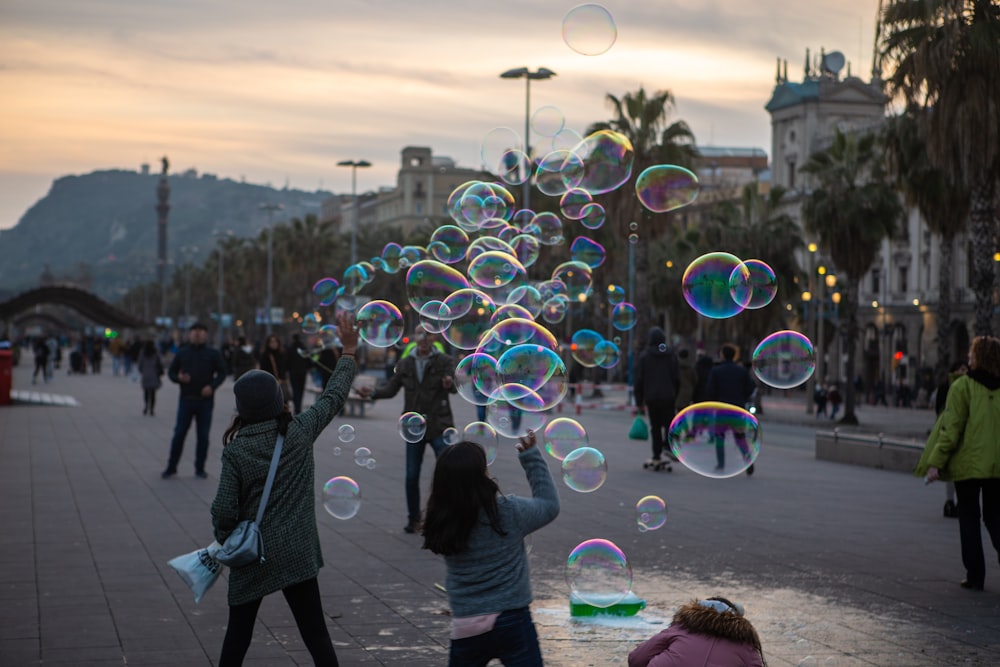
(524, 73)
(270, 208)
(354, 164)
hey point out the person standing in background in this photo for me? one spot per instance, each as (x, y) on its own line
(298, 364)
(657, 381)
(150, 376)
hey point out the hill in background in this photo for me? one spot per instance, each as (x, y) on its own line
(100, 228)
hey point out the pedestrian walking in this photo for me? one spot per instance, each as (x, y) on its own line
(199, 370)
(730, 382)
(957, 370)
(150, 376)
(657, 381)
(834, 398)
(963, 447)
(41, 351)
(288, 527)
(273, 360)
(481, 535)
(242, 359)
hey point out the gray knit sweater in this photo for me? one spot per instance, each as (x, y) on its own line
(491, 575)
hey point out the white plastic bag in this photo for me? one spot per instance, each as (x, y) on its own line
(198, 569)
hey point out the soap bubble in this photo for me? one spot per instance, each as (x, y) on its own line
(607, 354)
(785, 359)
(342, 498)
(592, 216)
(602, 162)
(709, 282)
(450, 436)
(310, 324)
(448, 244)
(429, 280)
(515, 167)
(666, 187)
(584, 469)
(512, 422)
(476, 378)
(554, 309)
(598, 573)
(763, 285)
(547, 121)
(380, 324)
(650, 513)
(582, 347)
(615, 295)
(325, 290)
(412, 426)
(571, 204)
(715, 439)
(587, 251)
(361, 456)
(391, 254)
(483, 435)
(336, 451)
(345, 433)
(562, 436)
(623, 316)
(470, 311)
(494, 269)
(589, 29)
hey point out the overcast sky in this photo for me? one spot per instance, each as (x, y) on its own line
(278, 92)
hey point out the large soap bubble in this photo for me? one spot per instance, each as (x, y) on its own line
(710, 282)
(785, 359)
(666, 187)
(585, 469)
(342, 497)
(598, 573)
(562, 436)
(589, 29)
(604, 162)
(429, 280)
(650, 513)
(715, 439)
(483, 435)
(380, 324)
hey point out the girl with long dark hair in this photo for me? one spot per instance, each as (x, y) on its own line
(481, 534)
(288, 526)
(150, 376)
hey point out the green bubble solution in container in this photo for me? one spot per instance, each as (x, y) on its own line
(630, 605)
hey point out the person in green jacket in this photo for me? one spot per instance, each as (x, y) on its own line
(964, 447)
(288, 527)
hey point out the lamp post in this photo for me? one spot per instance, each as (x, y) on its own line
(220, 293)
(541, 73)
(189, 252)
(807, 296)
(354, 164)
(835, 298)
(270, 208)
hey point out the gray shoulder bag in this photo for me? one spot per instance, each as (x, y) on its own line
(245, 545)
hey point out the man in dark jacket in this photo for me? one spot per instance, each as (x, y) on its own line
(427, 378)
(729, 382)
(298, 365)
(199, 370)
(657, 381)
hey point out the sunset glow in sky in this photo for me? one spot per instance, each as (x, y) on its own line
(281, 91)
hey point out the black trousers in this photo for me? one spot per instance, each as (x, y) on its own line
(307, 608)
(661, 413)
(968, 491)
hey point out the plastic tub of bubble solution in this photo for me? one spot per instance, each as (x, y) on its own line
(630, 605)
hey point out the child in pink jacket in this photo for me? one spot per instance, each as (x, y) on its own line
(711, 632)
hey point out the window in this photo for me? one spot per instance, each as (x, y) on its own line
(875, 281)
(904, 275)
(791, 174)
(419, 208)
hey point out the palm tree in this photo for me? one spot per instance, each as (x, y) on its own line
(943, 205)
(946, 59)
(644, 120)
(853, 208)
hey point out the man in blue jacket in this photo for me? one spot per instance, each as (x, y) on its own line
(729, 382)
(199, 370)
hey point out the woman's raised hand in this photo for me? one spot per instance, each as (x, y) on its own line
(348, 331)
(526, 442)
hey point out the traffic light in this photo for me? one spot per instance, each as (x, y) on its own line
(898, 357)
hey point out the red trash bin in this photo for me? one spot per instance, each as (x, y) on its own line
(6, 375)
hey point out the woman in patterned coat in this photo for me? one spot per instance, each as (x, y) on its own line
(291, 541)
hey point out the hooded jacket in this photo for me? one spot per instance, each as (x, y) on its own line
(701, 636)
(658, 375)
(964, 443)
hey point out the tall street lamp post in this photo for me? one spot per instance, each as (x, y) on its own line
(221, 236)
(807, 296)
(541, 73)
(354, 164)
(270, 208)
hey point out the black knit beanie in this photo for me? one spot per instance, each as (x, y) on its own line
(258, 397)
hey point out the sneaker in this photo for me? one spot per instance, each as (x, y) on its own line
(168, 473)
(201, 474)
(950, 509)
(750, 470)
(413, 527)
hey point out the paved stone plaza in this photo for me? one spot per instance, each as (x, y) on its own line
(836, 565)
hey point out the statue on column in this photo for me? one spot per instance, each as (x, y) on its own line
(166, 164)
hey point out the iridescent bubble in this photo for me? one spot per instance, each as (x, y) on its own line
(592, 216)
(708, 283)
(509, 333)
(512, 422)
(547, 228)
(435, 317)
(785, 359)
(598, 573)
(650, 513)
(342, 498)
(763, 284)
(547, 121)
(429, 280)
(361, 456)
(510, 311)
(370, 464)
(558, 172)
(451, 436)
(571, 204)
(584, 469)
(715, 439)
(487, 244)
(550, 288)
(603, 162)
(515, 167)
(566, 140)
(448, 244)
(527, 297)
(633, 226)
(355, 277)
(562, 436)
(616, 294)
(666, 187)
(483, 435)
(470, 310)
(588, 251)
(380, 324)
(582, 347)
(623, 316)
(345, 433)
(589, 29)
(412, 426)
(633, 238)
(336, 451)
(498, 141)
(554, 310)
(494, 269)
(577, 278)
(310, 324)
(391, 254)
(537, 368)
(607, 354)
(476, 378)
(325, 290)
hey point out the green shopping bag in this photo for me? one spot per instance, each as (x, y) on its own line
(639, 430)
